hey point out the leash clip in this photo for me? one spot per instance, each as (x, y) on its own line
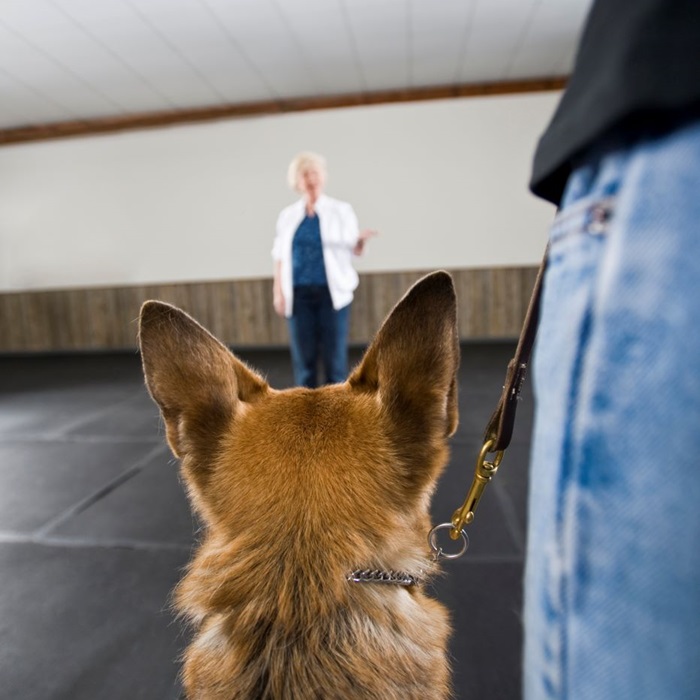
(464, 515)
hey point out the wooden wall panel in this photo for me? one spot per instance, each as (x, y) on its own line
(492, 304)
(12, 322)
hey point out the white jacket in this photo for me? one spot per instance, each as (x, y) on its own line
(339, 235)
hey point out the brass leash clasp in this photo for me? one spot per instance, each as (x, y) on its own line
(465, 513)
(483, 473)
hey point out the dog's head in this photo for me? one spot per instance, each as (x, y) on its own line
(321, 481)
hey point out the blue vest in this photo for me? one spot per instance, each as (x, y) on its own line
(307, 254)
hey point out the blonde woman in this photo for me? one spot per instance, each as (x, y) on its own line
(316, 239)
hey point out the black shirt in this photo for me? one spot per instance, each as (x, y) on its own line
(637, 67)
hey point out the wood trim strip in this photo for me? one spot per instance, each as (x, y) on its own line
(491, 304)
(102, 125)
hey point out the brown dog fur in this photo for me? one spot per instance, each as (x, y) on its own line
(296, 488)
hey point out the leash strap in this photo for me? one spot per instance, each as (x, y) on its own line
(499, 430)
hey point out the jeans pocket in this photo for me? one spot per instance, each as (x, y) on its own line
(577, 241)
(577, 236)
(589, 217)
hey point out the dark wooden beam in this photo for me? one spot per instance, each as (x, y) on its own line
(88, 127)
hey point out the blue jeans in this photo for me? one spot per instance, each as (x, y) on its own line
(612, 586)
(317, 329)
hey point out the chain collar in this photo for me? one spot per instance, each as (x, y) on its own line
(399, 578)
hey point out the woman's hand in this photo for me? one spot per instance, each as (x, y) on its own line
(365, 235)
(278, 301)
(277, 296)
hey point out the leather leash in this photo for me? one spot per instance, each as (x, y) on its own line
(500, 427)
(499, 430)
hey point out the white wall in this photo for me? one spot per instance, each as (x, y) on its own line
(445, 182)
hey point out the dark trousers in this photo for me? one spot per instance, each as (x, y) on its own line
(316, 331)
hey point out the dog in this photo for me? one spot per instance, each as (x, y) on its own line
(308, 583)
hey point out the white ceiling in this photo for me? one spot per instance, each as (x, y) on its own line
(67, 60)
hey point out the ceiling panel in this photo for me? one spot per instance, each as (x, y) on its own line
(325, 40)
(260, 31)
(548, 43)
(438, 40)
(498, 27)
(21, 104)
(152, 64)
(63, 60)
(37, 69)
(381, 35)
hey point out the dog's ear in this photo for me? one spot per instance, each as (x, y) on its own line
(412, 363)
(195, 380)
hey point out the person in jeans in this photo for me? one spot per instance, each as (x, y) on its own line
(612, 584)
(314, 279)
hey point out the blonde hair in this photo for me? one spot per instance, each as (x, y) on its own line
(302, 162)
